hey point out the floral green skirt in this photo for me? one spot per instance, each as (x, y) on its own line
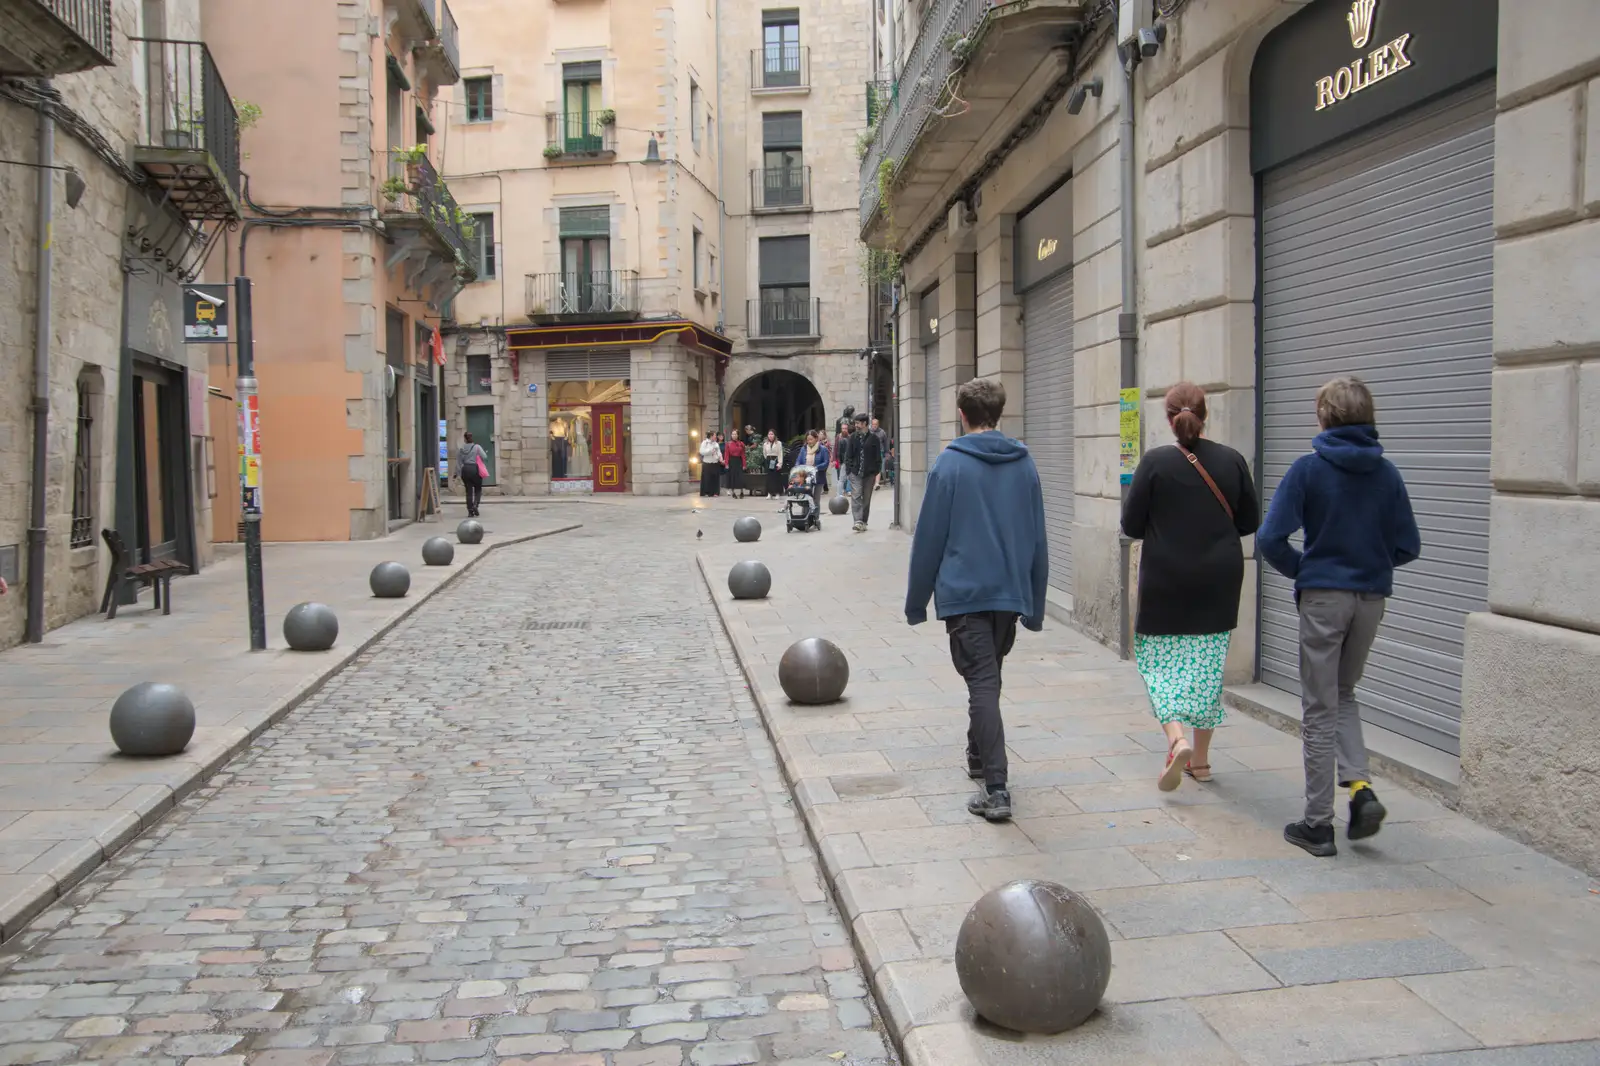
(1184, 676)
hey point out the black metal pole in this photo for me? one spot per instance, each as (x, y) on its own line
(40, 405)
(247, 395)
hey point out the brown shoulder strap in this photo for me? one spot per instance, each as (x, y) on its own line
(1194, 461)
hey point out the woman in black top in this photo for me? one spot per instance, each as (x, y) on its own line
(1190, 504)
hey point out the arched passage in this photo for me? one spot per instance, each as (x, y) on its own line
(777, 399)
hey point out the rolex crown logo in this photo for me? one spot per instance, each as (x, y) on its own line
(1360, 19)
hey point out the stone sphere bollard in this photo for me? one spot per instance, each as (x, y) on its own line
(839, 505)
(750, 580)
(152, 719)
(470, 531)
(437, 551)
(1033, 956)
(813, 670)
(390, 581)
(310, 627)
(746, 530)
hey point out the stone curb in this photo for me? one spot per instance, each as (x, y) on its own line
(885, 995)
(78, 859)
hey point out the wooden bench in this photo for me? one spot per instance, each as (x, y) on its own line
(157, 575)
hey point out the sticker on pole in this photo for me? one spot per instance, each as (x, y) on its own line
(1128, 431)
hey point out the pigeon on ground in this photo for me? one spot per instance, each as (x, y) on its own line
(699, 533)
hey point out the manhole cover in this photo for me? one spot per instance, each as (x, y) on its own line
(547, 626)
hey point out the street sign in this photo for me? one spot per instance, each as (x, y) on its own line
(205, 314)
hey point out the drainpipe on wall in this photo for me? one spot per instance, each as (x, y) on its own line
(1128, 319)
(722, 204)
(37, 525)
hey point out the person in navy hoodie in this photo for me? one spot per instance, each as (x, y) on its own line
(1353, 506)
(980, 552)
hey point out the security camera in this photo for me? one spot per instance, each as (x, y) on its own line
(1151, 38)
(1081, 94)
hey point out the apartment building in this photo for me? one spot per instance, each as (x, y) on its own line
(354, 245)
(660, 250)
(119, 169)
(1400, 189)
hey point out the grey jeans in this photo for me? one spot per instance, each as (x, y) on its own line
(979, 644)
(861, 502)
(1336, 633)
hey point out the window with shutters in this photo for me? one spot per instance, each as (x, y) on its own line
(780, 49)
(782, 178)
(784, 308)
(479, 380)
(580, 117)
(694, 113)
(699, 274)
(483, 244)
(480, 99)
(588, 283)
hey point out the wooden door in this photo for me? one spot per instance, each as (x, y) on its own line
(610, 448)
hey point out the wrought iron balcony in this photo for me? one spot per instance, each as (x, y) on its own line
(777, 189)
(879, 96)
(583, 296)
(190, 145)
(785, 318)
(579, 134)
(780, 68)
(440, 54)
(41, 38)
(420, 205)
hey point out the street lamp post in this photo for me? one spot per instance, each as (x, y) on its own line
(248, 398)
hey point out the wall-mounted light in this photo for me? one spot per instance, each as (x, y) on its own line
(1080, 96)
(652, 150)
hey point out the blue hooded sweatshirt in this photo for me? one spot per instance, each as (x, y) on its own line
(980, 542)
(1352, 503)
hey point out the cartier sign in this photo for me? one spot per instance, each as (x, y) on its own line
(1383, 62)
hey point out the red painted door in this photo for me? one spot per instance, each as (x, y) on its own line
(610, 449)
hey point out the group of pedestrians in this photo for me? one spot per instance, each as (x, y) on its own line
(980, 552)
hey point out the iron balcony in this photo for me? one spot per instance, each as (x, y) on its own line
(41, 38)
(190, 143)
(578, 296)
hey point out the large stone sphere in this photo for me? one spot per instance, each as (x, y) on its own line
(152, 719)
(813, 670)
(437, 551)
(390, 580)
(746, 530)
(749, 580)
(1033, 956)
(839, 505)
(470, 531)
(310, 627)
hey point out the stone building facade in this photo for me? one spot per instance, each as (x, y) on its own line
(127, 445)
(1402, 190)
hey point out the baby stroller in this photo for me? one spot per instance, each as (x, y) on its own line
(800, 501)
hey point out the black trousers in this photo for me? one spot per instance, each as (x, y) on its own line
(474, 486)
(979, 644)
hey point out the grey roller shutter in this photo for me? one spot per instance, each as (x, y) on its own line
(1377, 261)
(1047, 422)
(930, 367)
(600, 365)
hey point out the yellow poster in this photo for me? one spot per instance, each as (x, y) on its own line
(252, 472)
(1129, 432)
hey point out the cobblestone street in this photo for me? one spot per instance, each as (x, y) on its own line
(540, 822)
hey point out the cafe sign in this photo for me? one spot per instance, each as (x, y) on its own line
(1382, 63)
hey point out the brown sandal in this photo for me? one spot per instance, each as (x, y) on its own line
(1177, 760)
(1200, 773)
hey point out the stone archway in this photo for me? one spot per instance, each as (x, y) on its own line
(777, 399)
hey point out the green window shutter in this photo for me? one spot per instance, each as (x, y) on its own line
(586, 222)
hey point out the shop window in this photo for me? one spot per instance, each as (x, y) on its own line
(571, 406)
(83, 470)
(479, 379)
(480, 99)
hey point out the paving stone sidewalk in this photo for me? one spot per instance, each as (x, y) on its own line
(539, 823)
(67, 799)
(1436, 942)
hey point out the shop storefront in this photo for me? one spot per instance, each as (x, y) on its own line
(1043, 278)
(1373, 142)
(591, 426)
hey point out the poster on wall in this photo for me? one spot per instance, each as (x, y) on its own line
(1128, 432)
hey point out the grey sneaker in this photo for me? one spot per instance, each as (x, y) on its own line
(993, 806)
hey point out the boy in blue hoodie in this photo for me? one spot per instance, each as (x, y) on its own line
(980, 552)
(1357, 518)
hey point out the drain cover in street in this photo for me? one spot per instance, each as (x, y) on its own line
(546, 626)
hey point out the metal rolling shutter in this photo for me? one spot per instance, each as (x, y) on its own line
(930, 368)
(1047, 412)
(1377, 261)
(601, 364)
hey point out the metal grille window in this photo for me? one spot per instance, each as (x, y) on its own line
(483, 244)
(479, 380)
(480, 99)
(82, 482)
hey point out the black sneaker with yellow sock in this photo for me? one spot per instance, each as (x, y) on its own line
(1366, 813)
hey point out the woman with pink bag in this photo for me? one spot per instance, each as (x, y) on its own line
(473, 472)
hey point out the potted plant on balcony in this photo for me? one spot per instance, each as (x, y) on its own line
(605, 117)
(394, 188)
(552, 151)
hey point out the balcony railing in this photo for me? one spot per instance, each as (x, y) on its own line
(785, 317)
(40, 38)
(780, 66)
(191, 129)
(427, 198)
(774, 189)
(442, 51)
(879, 95)
(591, 296)
(578, 133)
(912, 99)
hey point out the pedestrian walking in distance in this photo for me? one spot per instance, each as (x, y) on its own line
(470, 467)
(980, 552)
(1190, 503)
(1353, 506)
(866, 463)
(710, 459)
